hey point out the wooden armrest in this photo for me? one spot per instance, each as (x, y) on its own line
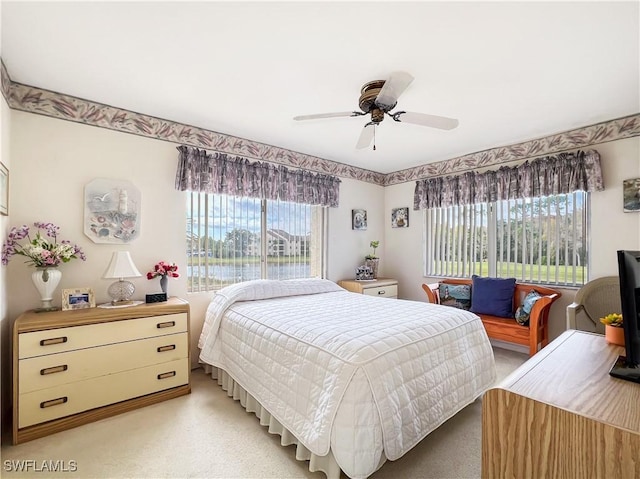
(540, 310)
(432, 292)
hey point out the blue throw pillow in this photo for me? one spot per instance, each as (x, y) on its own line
(456, 295)
(493, 296)
(524, 310)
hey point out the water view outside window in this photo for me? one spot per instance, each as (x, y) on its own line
(235, 239)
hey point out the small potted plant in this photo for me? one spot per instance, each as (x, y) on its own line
(371, 260)
(613, 330)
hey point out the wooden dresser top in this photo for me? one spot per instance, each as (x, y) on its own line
(572, 373)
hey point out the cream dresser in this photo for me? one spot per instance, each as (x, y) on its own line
(382, 287)
(75, 367)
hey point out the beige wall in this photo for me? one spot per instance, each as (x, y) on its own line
(51, 161)
(5, 329)
(347, 247)
(611, 229)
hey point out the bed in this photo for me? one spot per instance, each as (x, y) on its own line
(353, 380)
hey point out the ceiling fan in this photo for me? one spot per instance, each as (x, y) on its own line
(379, 97)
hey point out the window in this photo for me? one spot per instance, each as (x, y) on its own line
(234, 239)
(536, 240)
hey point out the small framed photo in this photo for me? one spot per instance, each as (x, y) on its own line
(78, 298)
(631, 195)
(359, 219)
(4, 190)
(364, 273)
(400, 217)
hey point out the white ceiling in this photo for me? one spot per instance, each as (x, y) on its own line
(509, 71)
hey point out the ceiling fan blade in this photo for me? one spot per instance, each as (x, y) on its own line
(392, 89)
(423, 119)
(366, 136)
(327, 115)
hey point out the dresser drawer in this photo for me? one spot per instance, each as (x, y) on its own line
(390, 291)
(59, 401)
(78, 337)
(43, 372)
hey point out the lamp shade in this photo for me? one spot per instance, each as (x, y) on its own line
(121, 266)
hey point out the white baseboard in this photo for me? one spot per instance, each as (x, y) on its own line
(510, 346)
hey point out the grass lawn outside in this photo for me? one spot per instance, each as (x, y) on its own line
(542, 274)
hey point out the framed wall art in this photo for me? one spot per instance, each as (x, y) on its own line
(400, 217)
(78, 298)
(111, 211)
(631, 195)
(359, 219)
(4, 190)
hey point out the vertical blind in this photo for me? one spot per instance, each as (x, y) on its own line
(233, 239)
(536, 240)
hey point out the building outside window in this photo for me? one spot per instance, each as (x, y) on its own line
(234, 239)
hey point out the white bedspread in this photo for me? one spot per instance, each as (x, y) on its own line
(364, 376)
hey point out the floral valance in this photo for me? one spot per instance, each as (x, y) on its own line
(552, 175)
(220, 173)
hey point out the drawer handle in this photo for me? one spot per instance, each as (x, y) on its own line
(54, 369)
(168, 347)
(166, 324)
(170, 374)
(53, 402)
(50, 341)
(381, 292)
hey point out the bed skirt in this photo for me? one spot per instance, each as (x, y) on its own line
(326, 464)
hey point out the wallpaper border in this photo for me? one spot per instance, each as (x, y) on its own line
(66, 107)
(578, 138)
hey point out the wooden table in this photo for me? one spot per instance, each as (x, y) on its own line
(560, 415)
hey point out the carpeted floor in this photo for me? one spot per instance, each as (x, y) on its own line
(208, 435)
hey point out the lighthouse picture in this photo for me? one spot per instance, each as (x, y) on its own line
(112, 211)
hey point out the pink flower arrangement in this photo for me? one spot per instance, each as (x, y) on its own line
(43, 249)
(164, 269)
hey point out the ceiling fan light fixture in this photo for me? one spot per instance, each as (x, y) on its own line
(377, 115)
(378, 97)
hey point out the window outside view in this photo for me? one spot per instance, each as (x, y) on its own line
(234, 239)
(537, 240)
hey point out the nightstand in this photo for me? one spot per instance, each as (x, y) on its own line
(78, 366)
(382, 287)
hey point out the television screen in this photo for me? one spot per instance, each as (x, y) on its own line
(628, 366)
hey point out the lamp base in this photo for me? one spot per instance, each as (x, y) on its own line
(123, 302)
(121, 292)
(114, 306)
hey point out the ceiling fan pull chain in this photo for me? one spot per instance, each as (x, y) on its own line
(374, 137)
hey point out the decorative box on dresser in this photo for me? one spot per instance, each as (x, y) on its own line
(561, 415)
(382, 287)
(75, 367)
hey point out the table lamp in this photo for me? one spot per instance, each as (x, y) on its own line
(121, 266)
